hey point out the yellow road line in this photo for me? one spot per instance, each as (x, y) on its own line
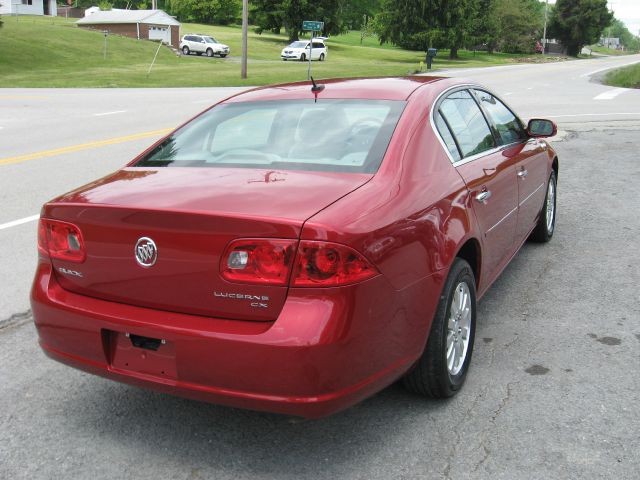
(21, 97)
(82, 146)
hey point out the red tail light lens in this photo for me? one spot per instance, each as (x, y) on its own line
(317, 264)
(264, 261)
(325, 264)
(61, 240)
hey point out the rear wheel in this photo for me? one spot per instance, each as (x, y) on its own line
(441, 370)
(547, 221)
(303, 57)
(322, 57)
(185, 50)
(209, 52)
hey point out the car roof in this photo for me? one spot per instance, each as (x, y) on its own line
(376, 88)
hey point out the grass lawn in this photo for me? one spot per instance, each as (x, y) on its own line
(628, 77)
(53, 52)
(609, 51)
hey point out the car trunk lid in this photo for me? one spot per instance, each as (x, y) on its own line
(191, 214)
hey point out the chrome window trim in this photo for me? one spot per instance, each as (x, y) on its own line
(434, 110)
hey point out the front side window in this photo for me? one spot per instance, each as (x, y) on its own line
(509, 128)
(330, 135)
(467, 123)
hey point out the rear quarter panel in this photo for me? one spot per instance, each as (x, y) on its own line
(410, 221)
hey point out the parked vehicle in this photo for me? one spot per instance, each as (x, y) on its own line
(297, 249)
(302, 49)
(199, 44)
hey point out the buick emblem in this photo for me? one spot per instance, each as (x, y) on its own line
(146, 252)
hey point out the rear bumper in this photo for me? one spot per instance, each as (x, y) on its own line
(326, 351)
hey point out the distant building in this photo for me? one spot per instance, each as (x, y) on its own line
(610, 42)
(28, 7)
(140, 24)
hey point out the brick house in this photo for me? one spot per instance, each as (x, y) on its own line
(140, 24)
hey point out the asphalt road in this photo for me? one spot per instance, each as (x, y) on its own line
(554, 390)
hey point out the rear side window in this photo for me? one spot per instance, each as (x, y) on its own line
(330, 135)
(467, 123)
(318, 45)
(445, 133)
(509, 128)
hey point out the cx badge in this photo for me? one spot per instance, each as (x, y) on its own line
(146, 252)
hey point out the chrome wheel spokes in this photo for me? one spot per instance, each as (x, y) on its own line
(458, 328)
(551, 206)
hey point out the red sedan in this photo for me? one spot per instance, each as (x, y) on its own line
(296, 249)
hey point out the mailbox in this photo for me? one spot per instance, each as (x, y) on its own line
(431, 53)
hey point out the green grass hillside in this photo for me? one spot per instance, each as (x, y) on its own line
(54, 52)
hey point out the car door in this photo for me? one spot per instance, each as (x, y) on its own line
(489, 175)
(528, 154)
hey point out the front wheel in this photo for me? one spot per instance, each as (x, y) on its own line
(322, 57)
(441, 370)
(209, 52)
(303, 57)
(547, 221)
(185, 50)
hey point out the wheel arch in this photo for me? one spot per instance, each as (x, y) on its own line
(471, 252)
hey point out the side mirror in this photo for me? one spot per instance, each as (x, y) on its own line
(540, 128)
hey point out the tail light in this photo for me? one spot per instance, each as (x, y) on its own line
(265, 261)
(61, 240)
(317, 264)
(325, 264)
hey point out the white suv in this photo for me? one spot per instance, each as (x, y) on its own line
(200, 44)
(300, 49)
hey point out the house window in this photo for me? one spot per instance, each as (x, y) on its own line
(27, 2)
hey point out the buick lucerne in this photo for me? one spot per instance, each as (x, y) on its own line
(298, 248)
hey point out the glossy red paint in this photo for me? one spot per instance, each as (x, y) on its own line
(311, 351)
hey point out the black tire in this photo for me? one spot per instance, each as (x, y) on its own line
(543, 232)
(303, 57)
(431, 375)
(209, 53)
(322, 57)
(185, 50)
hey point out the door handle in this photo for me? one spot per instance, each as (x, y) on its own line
(483, 196)
(523, 173)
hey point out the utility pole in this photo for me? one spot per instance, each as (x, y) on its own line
(544, 35)
(245, 24)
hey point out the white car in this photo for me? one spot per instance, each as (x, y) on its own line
(198, 43)
(300, 50)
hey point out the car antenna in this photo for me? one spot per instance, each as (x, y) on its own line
(316, 89)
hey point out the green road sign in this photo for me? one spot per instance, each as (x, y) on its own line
(312, 26)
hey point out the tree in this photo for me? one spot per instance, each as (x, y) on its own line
(577, 23)
(221, 12)
(354, 12)
(410, 24)
(520, 25)
(275, 14)
(421, 24)
(617, 29)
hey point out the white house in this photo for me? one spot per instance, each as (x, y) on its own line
(28, 7)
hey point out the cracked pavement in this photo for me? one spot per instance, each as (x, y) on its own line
(554, 386)
(547, 395)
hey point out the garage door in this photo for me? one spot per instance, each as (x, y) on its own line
(160, 33)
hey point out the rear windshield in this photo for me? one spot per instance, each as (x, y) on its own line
(330, 135)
